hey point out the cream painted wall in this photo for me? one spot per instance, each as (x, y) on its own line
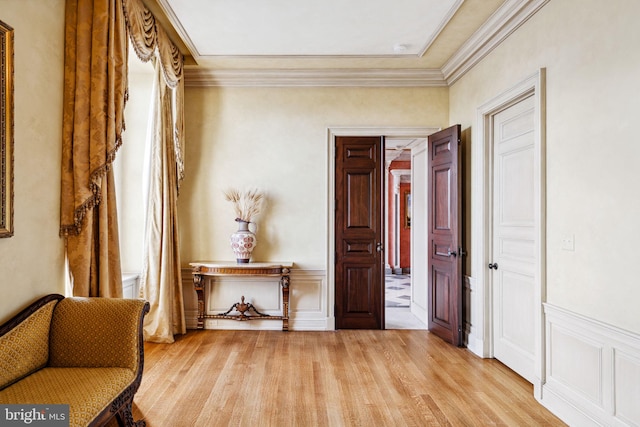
(590, 51)
(276, 139)
(32, 261)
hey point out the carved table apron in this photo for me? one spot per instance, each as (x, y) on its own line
(231, 268)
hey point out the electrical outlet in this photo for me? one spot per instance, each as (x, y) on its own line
(568, 242)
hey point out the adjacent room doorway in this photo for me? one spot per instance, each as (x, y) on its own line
(399, 293)
(357, 302)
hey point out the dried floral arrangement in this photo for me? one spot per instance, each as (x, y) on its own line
(247, 204)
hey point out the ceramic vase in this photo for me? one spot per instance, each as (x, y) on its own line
(242, 242)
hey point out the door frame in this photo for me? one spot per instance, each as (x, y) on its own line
(482, 342)
(333, 132)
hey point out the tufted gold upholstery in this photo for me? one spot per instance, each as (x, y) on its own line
(84, 352)
(95, 332)
(25, 348)
(87, 391)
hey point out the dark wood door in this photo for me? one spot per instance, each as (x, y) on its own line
(444, 219)
(359, 268)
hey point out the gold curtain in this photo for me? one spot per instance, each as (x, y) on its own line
(161, 280)
(95, 82)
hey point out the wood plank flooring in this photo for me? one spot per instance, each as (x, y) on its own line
(341, 378)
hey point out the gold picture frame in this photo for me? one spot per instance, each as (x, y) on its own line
(6, 130)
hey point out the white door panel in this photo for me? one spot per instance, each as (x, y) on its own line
(514, 231)
(515, 170)
(515, 329)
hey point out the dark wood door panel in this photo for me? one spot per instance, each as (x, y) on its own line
(441, 178)
(359, 270)
(445, 216)
(441, 294)
(359, 186)
(358, 300)
(360, 294)
(443, 147)
(358, 248)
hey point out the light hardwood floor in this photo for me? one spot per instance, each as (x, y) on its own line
(341, 378)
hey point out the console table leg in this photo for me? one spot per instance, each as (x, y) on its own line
(285, 299)
(198, 285)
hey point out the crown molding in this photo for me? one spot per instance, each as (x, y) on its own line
(199, 77)
(443, 24)
(509, 17)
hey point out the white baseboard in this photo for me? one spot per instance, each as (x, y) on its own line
(565, 410)
(592, 371)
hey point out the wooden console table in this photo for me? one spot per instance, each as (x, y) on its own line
(232, 268)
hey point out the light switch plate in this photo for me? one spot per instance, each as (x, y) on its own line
(568, 242)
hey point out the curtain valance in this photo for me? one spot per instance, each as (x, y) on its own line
(146, 36)
(142, 29)
(150, 41)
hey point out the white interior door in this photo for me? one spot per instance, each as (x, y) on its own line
(514, 245)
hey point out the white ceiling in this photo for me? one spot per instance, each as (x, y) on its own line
(213, 28)
(386, 43)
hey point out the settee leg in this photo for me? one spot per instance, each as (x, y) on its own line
(125, 417)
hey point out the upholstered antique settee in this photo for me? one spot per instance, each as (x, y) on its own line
(83, 352)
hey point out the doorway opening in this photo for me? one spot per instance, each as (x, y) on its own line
(414, 140)
(398, 188)
(397, 308)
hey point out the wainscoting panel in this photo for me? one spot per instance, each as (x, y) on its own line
(627, 386)
(592, 371)
(262, 292)
(308, 295)
(307, 300)
(583, 375)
